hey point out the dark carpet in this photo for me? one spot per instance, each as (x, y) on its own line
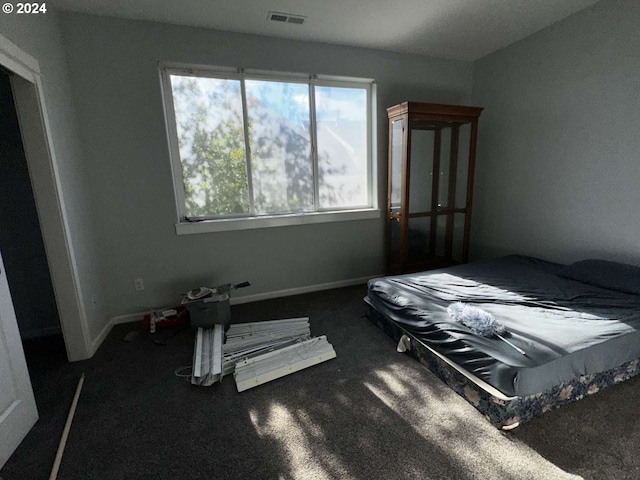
(371, 413)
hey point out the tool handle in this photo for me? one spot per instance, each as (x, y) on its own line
(519, 350)
(242, 285)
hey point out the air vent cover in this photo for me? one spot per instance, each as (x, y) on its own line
(286, 18)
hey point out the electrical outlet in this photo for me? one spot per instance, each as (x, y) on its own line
(139, 284)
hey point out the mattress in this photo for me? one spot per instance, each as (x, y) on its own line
(567, 328)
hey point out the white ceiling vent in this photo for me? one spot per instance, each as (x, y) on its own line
(286, 18)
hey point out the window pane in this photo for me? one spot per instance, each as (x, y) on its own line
(341, 119)
(211, 141)
(281, 168)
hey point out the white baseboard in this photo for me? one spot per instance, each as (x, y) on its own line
(300, 290)
(95, 344)
(131, 317)
(135, 317)
(117, 320)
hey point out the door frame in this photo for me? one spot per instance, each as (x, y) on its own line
(29, 100)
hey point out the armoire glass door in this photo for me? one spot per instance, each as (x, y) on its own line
(431, 160)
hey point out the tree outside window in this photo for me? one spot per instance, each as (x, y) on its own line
(256, 146)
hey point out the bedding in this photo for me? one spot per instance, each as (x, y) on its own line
(602, 273)
(567, 328)
(504, 412)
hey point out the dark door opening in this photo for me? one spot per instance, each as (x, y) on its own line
(21, 242)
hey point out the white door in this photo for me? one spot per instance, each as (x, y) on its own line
(18, 411)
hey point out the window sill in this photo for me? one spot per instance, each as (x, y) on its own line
(187, 228)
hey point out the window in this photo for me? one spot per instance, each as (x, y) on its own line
(251, 150)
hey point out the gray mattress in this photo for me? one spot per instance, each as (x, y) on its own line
(567, 328)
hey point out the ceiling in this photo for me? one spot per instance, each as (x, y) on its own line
(455, 29)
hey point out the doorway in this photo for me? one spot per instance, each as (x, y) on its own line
(22, 247)
(28, 91)
(18, 411)
(21, 240)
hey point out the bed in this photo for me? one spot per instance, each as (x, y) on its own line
(579, 326)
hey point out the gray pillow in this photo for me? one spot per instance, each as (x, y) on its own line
(602, 273)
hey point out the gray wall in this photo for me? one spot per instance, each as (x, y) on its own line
(39, 36)
(558, 170)
(115, 83)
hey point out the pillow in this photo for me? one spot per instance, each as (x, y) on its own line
(602, 273)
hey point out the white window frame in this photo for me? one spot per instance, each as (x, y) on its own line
(250, 221)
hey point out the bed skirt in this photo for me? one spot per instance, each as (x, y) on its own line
(502, 411)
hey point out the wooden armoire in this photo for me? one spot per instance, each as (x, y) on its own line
(432, 151)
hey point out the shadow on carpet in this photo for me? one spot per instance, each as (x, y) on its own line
(370, 413)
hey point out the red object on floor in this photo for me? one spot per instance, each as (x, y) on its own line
(180, 318)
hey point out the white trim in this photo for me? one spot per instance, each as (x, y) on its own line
(266, 76)
(372, 136)
(51, 209)
(190, 69)
(18, 61)
(113, 321)
(247, 150)
(341, 81)
(129, 318)
(138, 316)
(248, 223)
(314, 144)
(45, 178)
(106, 330)
(174, 149)
(300, 290)
(166, 69)
(235, 72)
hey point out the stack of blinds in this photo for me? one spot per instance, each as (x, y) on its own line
(207, 356)
(269, 349)
(283, 361)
